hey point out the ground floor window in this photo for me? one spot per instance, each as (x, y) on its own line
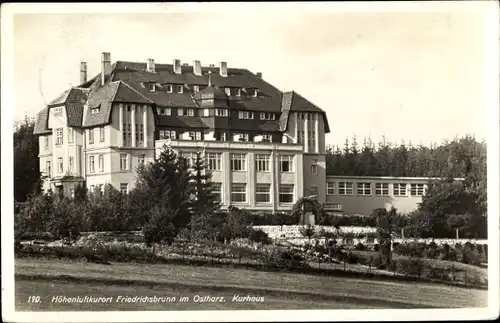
(286, 193)
(239, 192)
(263, 193)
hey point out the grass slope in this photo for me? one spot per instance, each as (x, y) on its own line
(282, 290)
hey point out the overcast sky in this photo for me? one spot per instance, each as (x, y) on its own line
(416, 76)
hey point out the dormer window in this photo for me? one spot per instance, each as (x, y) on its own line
(151, 87)
(267, 116)
(180, 88)
(238, 92)
(94, 110)
(170, 88)
(245, 115)
(254, 92)
(228, 91)
(196, 88)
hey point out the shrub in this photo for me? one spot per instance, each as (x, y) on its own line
(259, 236)
(285, 258)
(360, 246)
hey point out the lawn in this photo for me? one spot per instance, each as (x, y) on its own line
(281, 290)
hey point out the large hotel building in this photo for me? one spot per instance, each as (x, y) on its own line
(265, 147)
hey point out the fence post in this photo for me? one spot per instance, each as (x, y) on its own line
(344, 263)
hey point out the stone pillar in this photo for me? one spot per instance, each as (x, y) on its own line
(272, 168)
(134, 130)
(145, 125)
(306, 133)
(296, 140)
(251, 178)
(121, 121)
(316, 130)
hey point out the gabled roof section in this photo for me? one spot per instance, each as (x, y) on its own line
(294, 102)
(61, 99)
(105, 96)
(41, 122)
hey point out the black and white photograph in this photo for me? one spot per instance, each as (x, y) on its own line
(250, 161)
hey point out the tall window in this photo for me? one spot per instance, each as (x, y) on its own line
(345, 188)
(313, 139)
(71, 135)
(263, 193)
(123, 161)
(46, 139)
(314, 167)
(59, 136)
(382, 189)
(239, 192)
(330, 188)
(217, 191)
(223, 136)
(417, 189)
(191, 112)
(267, 138)
(214, 161)
(101, 163)
(152, 87)
(399, 189)
(301, 137)
(262, 163)
(142, 159)
(91, 164)
(180, 111)
(124, 133)
(180, 88)
(228, 91)
(48, 169)
(286, 193)
(286, 163)
(124, 188)
(196, 88)
(137, 130)
(71, 164)
(363, 188)
(60, 166)
(101, 134)
(238, 162)
(314, 190)
(91, 136)
(170, 88)
(141, 132)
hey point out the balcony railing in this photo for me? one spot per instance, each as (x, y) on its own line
(186, 143)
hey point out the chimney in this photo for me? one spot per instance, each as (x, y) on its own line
(197, 68)
(150, 65)
(223, 69)
(259, 74)
(105, 66)
(177, 66)
(83, 72)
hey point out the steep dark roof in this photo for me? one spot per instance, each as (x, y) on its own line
(41, 123)
(75, 102)
(181, 122)
(292, 101)
(104, 96)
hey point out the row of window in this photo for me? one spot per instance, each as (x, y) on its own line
(381, 189)
(239, 193)
(221, 136)
(180, 88)
(219, 112)
(60, 166)
(238, 161)
(124, 162)
(100, 188)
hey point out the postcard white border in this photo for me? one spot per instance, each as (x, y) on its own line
(492, 121)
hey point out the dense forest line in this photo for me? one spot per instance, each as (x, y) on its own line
(457, 158)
